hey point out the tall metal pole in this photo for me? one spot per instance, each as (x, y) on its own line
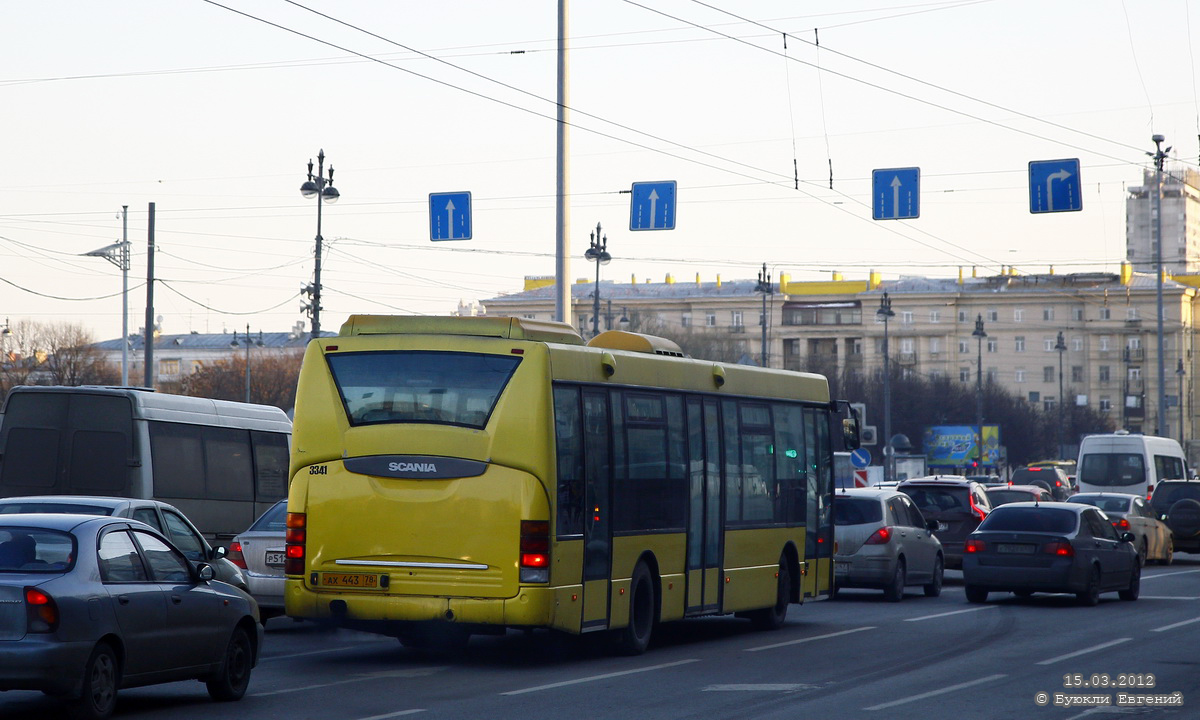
(1060, 345)
(562, 240)
(979, 334)
(764, 287)
(321, 187)
(247, 362)
(149, 341)
(597, 252)
(316, 296)
(1160, 155)
(1179, 372)
(124, 295)
(885, 311)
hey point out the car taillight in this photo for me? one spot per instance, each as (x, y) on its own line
(1149, 492)
(973, 546)
(294, 539)
(41, 611)
(976, 509)
(535, 551)
(1058, 483)
(1060, 548)
(235, 556)
(880, 537)
(1121, 524)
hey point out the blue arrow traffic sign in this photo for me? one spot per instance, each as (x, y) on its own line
(652, 206)
(450, 216)
(1054, 186)
(896, 193)
(860, 457)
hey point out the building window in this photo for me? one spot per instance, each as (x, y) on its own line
(1048, 404)
(963, 347)
(906, 345)
(993, 345)
(710, 319)
(1135, 373)
(935, 316)
(1077, 344)
(1034, 396)
(1048, 344)
(1077, 313)
(1048, 373)
(1105, 373)
(1076, 373)
(1133, 342)
(1019, 375)
(1131, 313)
(964, 374)
(168, 367)
(906, 317)
(1019, 315)
(1019, 343)
(736, 318)
(1048, 313)
(962, 316)
(993, 315)
(1105, 343)
(935, 346)
(1105, 403)
(686, 320)
(991, 375)
(197, 366)
(1105, 313)
(856, 346)
(936, 375)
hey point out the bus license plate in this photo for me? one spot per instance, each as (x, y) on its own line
(350, 580)
(275, 558)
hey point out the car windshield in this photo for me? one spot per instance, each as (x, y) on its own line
(273, 520)
(1029, 476)
(1107, 503)
(1000, 497)
(17, 506)
(937, 499)
(1167, 494)
(35, 550)
(856, 511)
(1029, 519)
(1113, 469)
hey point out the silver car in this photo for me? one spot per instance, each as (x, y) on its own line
(259, 552)
(89, 605)
(1131, 513)
(163, 517)
(881, 540)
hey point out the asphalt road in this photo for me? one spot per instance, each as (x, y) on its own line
(855, 657)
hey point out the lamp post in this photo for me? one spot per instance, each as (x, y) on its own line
(118, 254)
(234, 343)
(885, 311)
(1060, 345)
(1159, 155)
(979, 334)
(4, 335)
(597, 252)
(764, 287)
(321, 187)
(1179, 373)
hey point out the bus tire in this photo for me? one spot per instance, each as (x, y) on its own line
(634, 638)
(773, 618)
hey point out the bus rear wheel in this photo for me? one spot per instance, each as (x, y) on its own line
(634, 638)
(772, 618)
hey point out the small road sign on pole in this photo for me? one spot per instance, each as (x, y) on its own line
(896, 193)
(1054, 186)
(860, 457)
(450, 216)
(652, 206)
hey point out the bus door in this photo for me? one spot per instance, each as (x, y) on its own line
(704, 516)
(597, 528)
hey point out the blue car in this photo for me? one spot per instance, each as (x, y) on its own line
(89, 605)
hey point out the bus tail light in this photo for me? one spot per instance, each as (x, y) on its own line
(295, 537)
(235, 556)
(41, 611)
(880, 537)
(535, 551)
(972, 546)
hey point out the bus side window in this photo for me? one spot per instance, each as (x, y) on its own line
(270, 465)
(569, 447)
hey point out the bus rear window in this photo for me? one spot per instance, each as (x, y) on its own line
(428, 387)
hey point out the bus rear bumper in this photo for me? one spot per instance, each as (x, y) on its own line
(531, 607)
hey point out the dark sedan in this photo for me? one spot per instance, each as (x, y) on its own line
(90, 604)
(1055, 547)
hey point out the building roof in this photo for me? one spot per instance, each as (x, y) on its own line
(211, 341)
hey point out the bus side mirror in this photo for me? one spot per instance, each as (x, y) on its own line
(850, 436)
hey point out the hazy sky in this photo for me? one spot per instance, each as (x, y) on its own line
(212, 114)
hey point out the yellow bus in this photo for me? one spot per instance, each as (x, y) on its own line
(463, 475)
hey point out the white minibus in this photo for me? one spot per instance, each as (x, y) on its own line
(1122, 462)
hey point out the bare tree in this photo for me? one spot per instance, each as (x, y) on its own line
(272, 379)
(700, 343)
(59, 353)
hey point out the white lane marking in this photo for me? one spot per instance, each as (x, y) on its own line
(419, 672)
(392, 715)
(1170, 597)
(934, 693)
(311, 652)
(1169, 574)
(593, 678)
(809, 639)
(952, 612)
(767, 687)
(1085, 651)
(1165, 628)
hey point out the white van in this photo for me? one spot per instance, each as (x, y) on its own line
(1125, 463)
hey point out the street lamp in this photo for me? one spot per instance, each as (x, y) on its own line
(320, 187)
(597, 252)
(885, 311)
(118, 254)
(979, 335)
(234, 343)
(1179, 372)
(1160, 156)
(1060, 345)
(764, 287)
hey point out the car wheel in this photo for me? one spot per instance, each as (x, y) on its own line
(772, 618)
(634, 638)
(1169, 557)
(1091, 594)
(894, 592)
(233, 677)
(976, 594)
(1135, 585)
(101, 677)
(1143, 552)
(934, 588)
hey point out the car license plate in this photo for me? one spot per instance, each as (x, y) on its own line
(1012, 548)
(275, 558)
(942, 527)
(350, 580)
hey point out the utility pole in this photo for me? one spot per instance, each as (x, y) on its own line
(562, 249)
(979, 334)
(885, 311)
(1060, 345)
(1160, 156)
(148, 371)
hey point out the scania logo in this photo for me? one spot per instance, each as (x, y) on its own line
(412, 467)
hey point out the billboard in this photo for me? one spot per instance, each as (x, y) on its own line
(960, 445)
